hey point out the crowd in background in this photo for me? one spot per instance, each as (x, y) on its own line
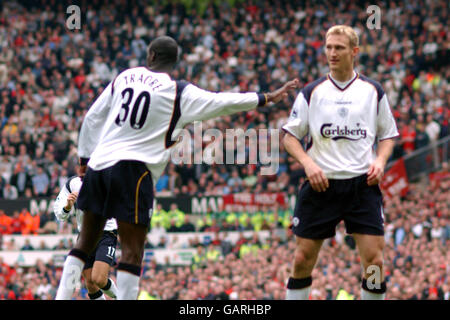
(417, 234)
(50, 75)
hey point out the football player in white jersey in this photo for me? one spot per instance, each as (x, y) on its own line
(125, 141)
(97, 267)
(344, 114)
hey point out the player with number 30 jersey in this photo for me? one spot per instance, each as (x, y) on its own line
(140, 113)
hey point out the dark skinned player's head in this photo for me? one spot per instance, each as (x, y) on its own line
(162, 54)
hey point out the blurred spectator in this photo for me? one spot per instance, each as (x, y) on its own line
(148, 244)
(408, 136)
(421, 139)
(21, 179)
(10, 192)
(173, 227)
(16, 223)
(11, 245)
(432, 128)
(28, 222)
(163, 183)
(41, 183)
(47, 223)
(42, 246)
(5, 223)
(162, 242)
(158, 229)
(27, 245)
(61, 245)
(187, 226)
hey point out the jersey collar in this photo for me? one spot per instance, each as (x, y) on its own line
(356, 76)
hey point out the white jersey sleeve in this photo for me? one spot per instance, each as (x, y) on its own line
(93, 122)
(198, 104)
(297, 124)
(61, 199)
(386, 127)
(60, 203)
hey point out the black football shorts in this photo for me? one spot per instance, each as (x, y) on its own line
(123, 191)
(317, 214)
(105, 250)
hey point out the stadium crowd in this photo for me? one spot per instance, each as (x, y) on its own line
(416, 260)
(49, 76)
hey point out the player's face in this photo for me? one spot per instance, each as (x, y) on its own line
(340, 54)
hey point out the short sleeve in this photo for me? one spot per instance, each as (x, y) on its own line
(386, 126)
(297, 124)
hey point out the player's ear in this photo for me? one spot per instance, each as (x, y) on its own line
(355, 51)
(151, 57)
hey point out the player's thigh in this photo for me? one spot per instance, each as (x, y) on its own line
(132, 240)
(91, 231)
(106, 248)
(104, 257)
(94, 191)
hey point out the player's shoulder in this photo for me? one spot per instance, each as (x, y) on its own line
(377, 86)
(182, 83)
(184, 88)
(309, 87)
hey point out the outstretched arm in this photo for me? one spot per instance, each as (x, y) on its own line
(198, 104)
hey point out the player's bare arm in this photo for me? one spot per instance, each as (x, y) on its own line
(376, 169)
(314, 173)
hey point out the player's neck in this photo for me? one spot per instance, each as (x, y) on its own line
(159, 68)
(342, 75)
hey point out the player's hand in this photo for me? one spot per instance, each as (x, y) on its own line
(375, 173)
(316, 177)
(281, 93)
(71, 199)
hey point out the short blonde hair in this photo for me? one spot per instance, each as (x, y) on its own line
(344, 30)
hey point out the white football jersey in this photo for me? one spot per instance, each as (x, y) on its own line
(342, 124)
(74, 185)
(140, 114)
